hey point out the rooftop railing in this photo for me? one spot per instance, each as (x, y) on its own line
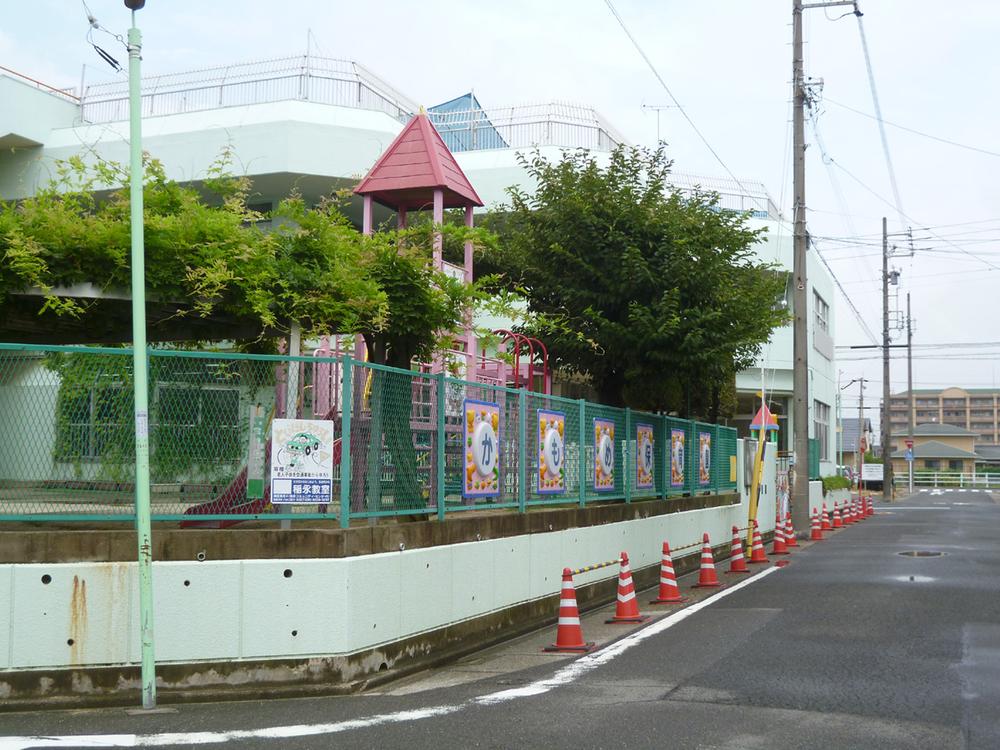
(344, 83)
(304, 78)
(526, 125)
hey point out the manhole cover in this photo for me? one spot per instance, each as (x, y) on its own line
(921, 553)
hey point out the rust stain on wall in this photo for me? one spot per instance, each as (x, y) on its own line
(77, 620)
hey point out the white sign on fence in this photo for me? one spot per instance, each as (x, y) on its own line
(301, 461)
(871, 473)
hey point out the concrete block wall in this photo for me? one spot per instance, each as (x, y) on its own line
(84, 614)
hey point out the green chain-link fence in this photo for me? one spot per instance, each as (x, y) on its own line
(402, 441)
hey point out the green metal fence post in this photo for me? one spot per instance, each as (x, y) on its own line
(522, 450)
(583, 453)
(627, 467)
(439, 457)
(716, 462)
(665, 452)
(346, 407)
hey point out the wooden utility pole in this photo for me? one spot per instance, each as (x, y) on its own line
(800, 293)
(886, 427)
(911, 409)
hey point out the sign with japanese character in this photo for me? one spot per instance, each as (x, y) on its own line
(644, 456)
(482, 449)
(604, 455)
(551, 452)
(301, 461)
(704, 457)
(677, 458)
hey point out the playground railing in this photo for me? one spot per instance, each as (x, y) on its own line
(401, 440)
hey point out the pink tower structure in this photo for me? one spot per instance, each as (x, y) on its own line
(415, 173)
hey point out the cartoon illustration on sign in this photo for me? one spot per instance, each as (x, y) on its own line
(704, 457)
(302, 461)
(604, 455)
(482, 449)
(644, 456)
(551, 452)
(677, 458)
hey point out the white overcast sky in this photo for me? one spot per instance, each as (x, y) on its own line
(728, 62)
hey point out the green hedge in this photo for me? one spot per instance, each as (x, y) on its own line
(835, 483)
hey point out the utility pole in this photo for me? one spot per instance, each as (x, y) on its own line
(886, 427)
(909, 388)
(139, 366)
(860, 448)
(800, 296)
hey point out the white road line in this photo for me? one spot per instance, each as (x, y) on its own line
(571, 672)
(941, 506)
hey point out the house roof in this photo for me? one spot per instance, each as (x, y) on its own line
(849, 432)
(937, 428)
(936, 449)
(416, 164)
(988, 452)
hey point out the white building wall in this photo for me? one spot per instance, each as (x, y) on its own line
(777, 358)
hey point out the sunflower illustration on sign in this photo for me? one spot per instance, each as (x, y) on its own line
(644, 456)
(551, 452)
(604, 455)
(481, 440)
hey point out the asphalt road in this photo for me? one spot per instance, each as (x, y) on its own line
(850, 646)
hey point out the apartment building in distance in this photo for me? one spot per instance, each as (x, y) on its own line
(974, 409)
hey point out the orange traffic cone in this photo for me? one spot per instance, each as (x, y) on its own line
(706, 575)
(627, 608)
(863, 511)
(837, 523)
(871, 506)
(780, 548)
(790, 539)
(569, 634)
(757, 549)
(825, 519)
(815, 529)
(737, 563)
(669, 593)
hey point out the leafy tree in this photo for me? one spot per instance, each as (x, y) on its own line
(655, 295)
(206, 258)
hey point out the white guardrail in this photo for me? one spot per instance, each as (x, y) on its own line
(948, 479)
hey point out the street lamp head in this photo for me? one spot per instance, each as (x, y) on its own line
(135, 4)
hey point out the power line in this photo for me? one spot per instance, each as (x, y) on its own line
(850, 302)
(850, 226)
(684, 114)
(939, 139)
(936, 236)
(878, 117)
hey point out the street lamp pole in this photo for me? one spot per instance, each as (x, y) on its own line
(139, 366)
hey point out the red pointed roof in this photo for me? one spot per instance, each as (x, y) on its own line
(764, 417)
(413, 167)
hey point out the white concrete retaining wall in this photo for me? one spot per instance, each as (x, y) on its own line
(816, 497)
(85, 614)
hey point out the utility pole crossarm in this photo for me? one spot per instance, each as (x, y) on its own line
(807, 6)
